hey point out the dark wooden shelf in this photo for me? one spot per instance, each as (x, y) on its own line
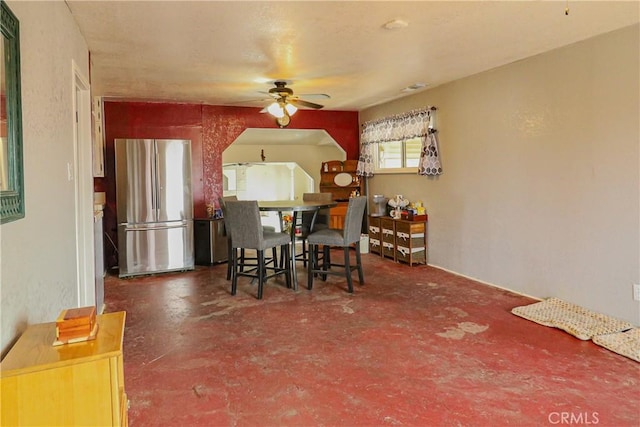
(340, 193)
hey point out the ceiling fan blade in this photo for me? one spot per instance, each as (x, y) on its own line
(303, 103)
(272, 95)
(315, 95)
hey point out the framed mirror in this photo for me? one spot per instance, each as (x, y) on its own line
(11, 172)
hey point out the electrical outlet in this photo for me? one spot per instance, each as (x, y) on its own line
(636, 292)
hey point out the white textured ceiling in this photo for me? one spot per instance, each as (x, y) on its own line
(227, 52)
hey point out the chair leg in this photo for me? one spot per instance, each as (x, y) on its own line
(234, 275)
(359, 264)
(284, 249)
(347, 269)
(313, 264)
(274, 257)
(260, 254)
(229, 258)
(326, 260)
(305, 253)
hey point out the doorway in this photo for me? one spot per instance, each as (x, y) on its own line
(266, 181)
(81, 173)
(308, 148)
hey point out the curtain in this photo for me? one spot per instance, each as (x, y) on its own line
(429, 156)
(398, 128)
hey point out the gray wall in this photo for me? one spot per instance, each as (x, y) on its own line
(39, 269)
(540, 190)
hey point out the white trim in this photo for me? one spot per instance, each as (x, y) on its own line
(493, 285)
(411, 170)
(83, 186)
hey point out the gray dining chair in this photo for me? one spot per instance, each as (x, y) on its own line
(245, 228)
(312, 221)
(322, 216)
(244, 261)
(344, 238)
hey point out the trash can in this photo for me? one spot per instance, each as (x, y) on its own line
(364, 243)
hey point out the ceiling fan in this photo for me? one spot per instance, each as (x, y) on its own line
(286, 104)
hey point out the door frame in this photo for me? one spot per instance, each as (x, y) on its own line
(83, 188)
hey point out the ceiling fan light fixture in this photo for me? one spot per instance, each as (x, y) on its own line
(276, 110)
(291, 109)
(279, 109)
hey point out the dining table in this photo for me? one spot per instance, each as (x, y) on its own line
(296, 207)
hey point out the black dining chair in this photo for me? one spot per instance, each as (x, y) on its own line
(244, 261)
(245, 227)
(344, 238)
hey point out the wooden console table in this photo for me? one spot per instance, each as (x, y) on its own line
(398, 239)
(78, 384)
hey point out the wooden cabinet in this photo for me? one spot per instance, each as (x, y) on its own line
(398, 239)
(72, 384)
(339, 178)
(337, 215)
(98, 137)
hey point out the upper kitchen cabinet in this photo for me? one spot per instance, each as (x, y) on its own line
(98, 137)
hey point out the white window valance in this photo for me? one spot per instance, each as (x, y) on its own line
(401, 127)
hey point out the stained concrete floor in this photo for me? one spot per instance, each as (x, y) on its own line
(414, 346)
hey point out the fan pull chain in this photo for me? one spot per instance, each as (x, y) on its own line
(566, 8)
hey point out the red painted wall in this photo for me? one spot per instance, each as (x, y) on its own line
(211, 130)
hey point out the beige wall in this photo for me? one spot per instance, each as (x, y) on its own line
(540, 190)
(38, 276)
(309, 158)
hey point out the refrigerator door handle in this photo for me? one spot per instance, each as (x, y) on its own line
(154, 172)
(166, 227)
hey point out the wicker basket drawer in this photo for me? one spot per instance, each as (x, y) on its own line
(374, 246)
(411, 255)
(389, 250)
(414, 240)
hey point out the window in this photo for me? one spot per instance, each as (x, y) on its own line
(395, 145)
(398, 156)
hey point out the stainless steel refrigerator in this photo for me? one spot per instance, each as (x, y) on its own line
(154, 204)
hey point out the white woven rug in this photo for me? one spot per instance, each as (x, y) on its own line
(578, 321)
(624, 343)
